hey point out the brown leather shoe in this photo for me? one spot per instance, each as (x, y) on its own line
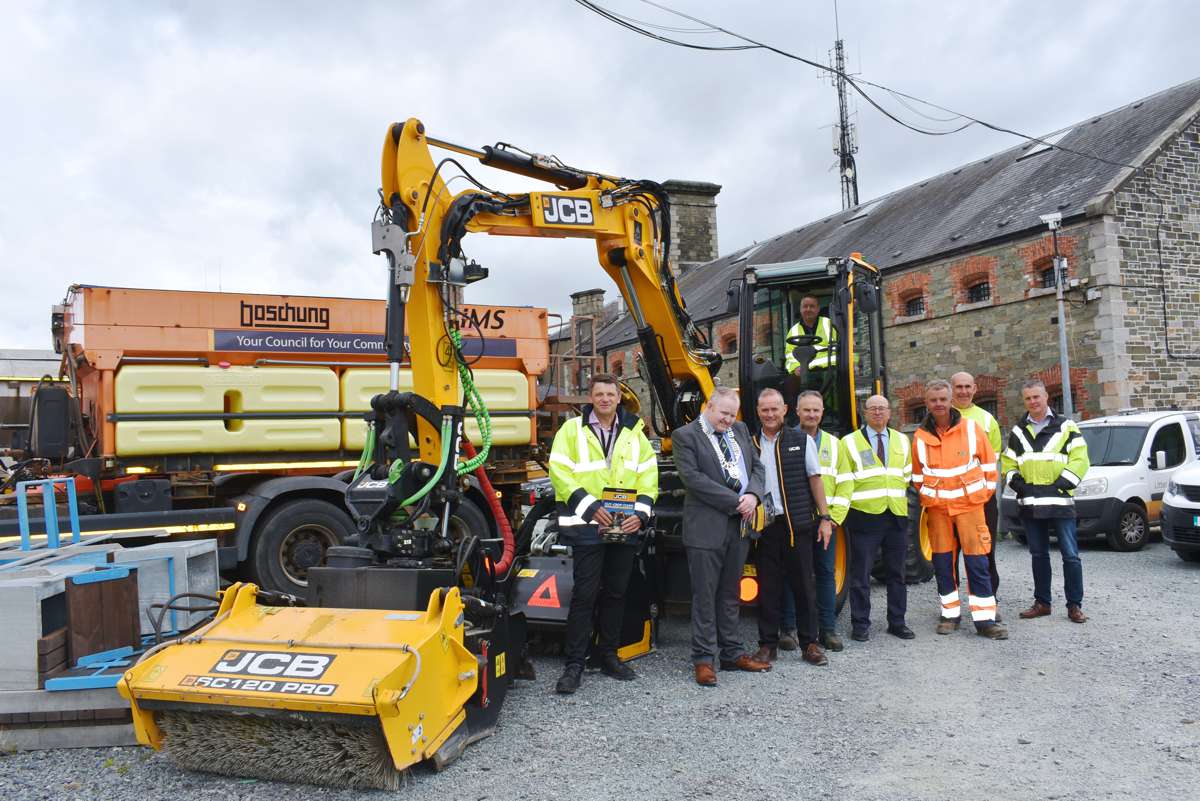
(705, 675)
(1075, 614)
(1038, 609)
(766, 653)
(747, 663)
(813, 655)
(946, 625)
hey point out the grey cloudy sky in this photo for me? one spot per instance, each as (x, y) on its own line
(235, 145)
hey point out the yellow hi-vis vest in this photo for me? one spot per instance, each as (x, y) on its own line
(827, 454)
(826, 337)
(579, 472)
(986, 422)
(868, 486)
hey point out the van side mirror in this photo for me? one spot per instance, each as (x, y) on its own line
(1160, 460)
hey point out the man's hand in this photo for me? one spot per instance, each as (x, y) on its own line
(746, 505)
(825, 533)
(631, 524)
(1018, 485)
(603, 517)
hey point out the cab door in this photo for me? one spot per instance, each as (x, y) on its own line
(1167, 452)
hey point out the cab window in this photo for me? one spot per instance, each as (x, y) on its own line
(1169, 440)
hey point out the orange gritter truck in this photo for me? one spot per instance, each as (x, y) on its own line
(241, 415)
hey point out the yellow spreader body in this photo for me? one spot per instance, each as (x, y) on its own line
(345, 697)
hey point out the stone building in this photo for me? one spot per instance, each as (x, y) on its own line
(968, 271)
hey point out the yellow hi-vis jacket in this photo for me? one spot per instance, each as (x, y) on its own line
(828, 451)
(1051, 463)
(868, 486)
(826, 337)
(579, 473)
(987, 423)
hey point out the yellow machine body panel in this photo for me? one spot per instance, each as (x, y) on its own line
(193, 388)
(409, 669)
(159, 437)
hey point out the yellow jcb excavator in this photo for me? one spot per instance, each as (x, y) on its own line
(411, 634)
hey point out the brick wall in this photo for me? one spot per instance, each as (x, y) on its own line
(1155, 378)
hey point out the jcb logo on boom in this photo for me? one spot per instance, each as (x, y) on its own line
(559, 210)
(274, 663)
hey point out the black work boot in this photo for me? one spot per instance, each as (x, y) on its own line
(617, 669)
(568, 682)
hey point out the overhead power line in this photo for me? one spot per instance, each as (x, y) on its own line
(754, 44)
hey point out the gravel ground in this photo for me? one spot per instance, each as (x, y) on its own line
(1107, 710)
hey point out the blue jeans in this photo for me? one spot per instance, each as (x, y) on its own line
(823, 564)
(1037, 532)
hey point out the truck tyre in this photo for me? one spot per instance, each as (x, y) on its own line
(292, 538)
(1133, 529)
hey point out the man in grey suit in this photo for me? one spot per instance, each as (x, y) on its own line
(721, 471)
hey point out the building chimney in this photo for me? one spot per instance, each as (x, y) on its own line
(693, 224)
(587, 302)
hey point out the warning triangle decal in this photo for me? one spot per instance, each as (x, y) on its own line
(546, 594)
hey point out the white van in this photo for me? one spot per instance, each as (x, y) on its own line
(1133, 458)
(1181, 513)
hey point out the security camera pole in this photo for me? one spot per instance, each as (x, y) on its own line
(1054, 222)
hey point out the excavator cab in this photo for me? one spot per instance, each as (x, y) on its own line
(839, 353)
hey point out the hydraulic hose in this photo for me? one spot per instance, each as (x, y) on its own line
(473, 399)
(398, 467)
(510, 543)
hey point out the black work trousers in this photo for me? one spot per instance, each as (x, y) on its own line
(786, 566)
(601, 576)
(868, 534)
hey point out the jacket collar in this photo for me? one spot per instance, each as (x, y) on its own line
(625, 419)
(929, 425)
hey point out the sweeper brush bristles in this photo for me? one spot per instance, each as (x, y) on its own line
(280, 749)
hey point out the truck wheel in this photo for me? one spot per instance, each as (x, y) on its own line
(293, 538)
(1133, 529)
(1189, 556)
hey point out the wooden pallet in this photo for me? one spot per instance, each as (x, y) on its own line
(33, 720)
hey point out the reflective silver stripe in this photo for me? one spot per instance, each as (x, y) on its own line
(1077, 443)
(923, 458)
(646, 465)
(1047, 501)
(1069, 476)
(583, 504)
(1010, 453)
(838, 501)
(988, 468)
(843, 477)
(644, 508)
(1021, 436)
(990, 484)
(870, 472)
(573, 520)
(867, 495)
(917, 479)
(1042, 456)
(559, 458)
(1055, 443)
(827, 471)
(972, 443)
(983, 608)
(929, 492)
(951, 472)
(951, 606)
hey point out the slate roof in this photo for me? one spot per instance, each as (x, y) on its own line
(991, 199)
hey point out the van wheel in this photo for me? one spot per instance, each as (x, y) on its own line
(294, 537)
(1133, 529)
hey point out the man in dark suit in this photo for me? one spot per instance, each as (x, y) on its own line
(723, 476)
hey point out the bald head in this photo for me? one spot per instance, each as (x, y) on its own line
(877, 412)
(962, 386)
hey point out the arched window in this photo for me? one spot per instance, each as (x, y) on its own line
(979, 292)
(728, 344)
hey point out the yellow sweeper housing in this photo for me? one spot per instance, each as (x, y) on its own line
(340, 697)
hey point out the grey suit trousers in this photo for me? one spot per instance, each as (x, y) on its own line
(715, 575)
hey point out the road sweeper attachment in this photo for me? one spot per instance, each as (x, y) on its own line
(340, 697)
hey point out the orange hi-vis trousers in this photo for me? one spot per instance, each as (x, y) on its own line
(967, 531)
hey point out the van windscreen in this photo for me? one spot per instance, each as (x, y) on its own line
(1113, 445)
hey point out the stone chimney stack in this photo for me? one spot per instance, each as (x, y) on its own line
(587, 302)
(693, 224)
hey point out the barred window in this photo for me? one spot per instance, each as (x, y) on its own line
(915, 306)
(979, 292)
(989, 405)
(1048, 278)
(916, 413)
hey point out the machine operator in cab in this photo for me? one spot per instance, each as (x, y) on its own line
(811, 323)
(604, 449)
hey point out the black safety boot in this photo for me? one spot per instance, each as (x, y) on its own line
(568, 682)
(617, 669)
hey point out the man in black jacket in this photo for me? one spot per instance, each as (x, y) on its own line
(784, 557)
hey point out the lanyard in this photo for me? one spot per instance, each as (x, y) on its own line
(606, 443)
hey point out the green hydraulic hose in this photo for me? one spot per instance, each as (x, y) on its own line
(398, 467)
(368, 453)
(473, 399)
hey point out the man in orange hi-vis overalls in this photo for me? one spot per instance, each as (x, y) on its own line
(954, 471)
